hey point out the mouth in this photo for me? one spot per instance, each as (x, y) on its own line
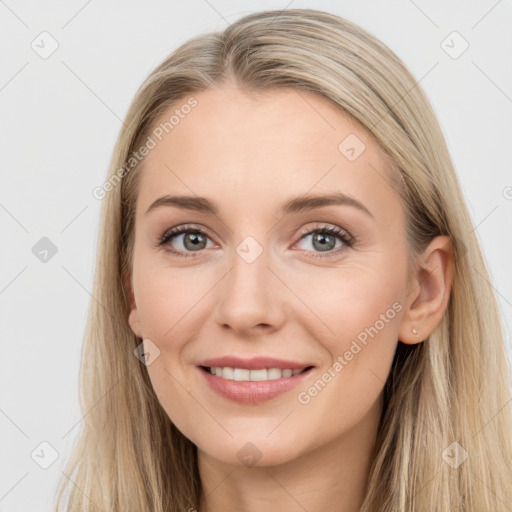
(253, 386)
(253, 375)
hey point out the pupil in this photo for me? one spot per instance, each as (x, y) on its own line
(321, 237)
(194, 239)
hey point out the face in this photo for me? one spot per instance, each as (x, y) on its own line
(318, 287)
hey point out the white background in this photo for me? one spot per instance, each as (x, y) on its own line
(60, 117)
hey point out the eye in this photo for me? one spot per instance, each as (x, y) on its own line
(324, 240)
(190, 237)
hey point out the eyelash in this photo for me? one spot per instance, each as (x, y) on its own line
(347, 239)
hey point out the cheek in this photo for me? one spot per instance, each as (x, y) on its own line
(360, 318)
(168, 301)
(355, 302)
(357, 318)
(171, 305)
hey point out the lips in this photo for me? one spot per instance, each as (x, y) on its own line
(252, 381)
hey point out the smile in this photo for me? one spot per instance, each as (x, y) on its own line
(252, 386)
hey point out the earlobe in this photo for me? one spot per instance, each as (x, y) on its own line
(413, 337)
(430, 291)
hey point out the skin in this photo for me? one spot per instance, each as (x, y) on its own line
(249, 154)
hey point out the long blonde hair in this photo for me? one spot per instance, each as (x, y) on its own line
(452, 388)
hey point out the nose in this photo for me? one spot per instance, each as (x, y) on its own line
(251, 299)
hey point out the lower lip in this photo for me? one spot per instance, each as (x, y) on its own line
(253, 392)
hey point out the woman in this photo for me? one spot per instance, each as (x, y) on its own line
(291, 310)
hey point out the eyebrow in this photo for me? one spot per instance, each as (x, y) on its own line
(294, 205)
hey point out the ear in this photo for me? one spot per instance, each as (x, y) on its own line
(133, 317)
(429, 291)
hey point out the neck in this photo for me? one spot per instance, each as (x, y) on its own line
(331, 477)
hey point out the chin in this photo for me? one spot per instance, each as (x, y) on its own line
(253, 453)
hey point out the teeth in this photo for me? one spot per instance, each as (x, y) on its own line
(226, 373)
(274, 373)
(255, 375)
(243, 374)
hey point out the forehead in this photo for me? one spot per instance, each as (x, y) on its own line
(258, 149)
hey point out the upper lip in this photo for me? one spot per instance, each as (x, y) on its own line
(255, 363)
